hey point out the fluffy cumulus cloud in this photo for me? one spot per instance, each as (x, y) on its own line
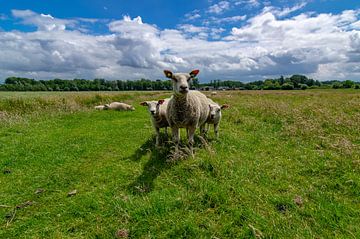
(324, 46)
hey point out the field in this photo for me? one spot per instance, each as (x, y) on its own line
(286, 165)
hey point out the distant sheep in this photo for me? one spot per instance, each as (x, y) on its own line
(99, 107)
(214, 117)
(187, 108)
(157, 110)
(213, 93)
(118, 106)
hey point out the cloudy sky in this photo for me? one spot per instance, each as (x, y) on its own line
(242, 40)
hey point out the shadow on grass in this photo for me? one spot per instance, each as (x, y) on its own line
(162, 158)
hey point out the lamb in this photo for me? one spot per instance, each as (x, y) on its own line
(215, 116)
(157, 110)
(187, 108)
(118, 106)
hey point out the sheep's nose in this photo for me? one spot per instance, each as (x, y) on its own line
(212, 116)
(152, 112)
(183, 87)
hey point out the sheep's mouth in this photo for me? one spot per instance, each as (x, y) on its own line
(184, 91)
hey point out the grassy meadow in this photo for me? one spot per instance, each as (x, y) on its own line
(286, 165)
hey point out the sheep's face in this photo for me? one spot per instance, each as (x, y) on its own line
(215, 111)
(106, 106)
(181, 81)
(153, 106)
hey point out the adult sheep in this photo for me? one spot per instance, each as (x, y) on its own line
(187, 108)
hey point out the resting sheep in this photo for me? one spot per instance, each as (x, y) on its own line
(215, 116)
(99, 107)
(187, 108)
(157, 110)
(118, 106)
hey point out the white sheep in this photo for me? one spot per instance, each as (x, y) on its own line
(118, 106)
(157, 110)
(99, 107)
(187, 108)
(214, 117)
(213, 93)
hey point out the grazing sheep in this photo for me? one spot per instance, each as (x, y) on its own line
(187, 108)
(157, 110)
(215, 116)
(213, 93)
(99, 107)
(118, 106)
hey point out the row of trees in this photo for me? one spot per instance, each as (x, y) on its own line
(281, 83)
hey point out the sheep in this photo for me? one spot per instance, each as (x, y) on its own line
(187, 108)
(118, 106)
(99, 107)
(215, 116)
(157, 110)
(213, 93)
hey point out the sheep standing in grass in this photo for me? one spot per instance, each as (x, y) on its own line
(118, 106)
(157, 110)
(214, 117)
(187, 108)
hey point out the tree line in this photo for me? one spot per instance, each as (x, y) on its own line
(295, 82)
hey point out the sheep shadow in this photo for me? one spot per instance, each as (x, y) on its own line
(162, 158)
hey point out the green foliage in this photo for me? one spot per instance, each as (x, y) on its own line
(295, 82)
(24, 84)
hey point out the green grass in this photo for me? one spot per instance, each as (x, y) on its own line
(274, 147)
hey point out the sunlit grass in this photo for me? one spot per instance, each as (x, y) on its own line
(286, 165)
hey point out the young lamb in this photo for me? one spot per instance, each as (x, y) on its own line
(215, 116)
(157, 110)
(118, 106)
(187, 108)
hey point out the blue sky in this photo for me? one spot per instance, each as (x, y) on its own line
(231, 39)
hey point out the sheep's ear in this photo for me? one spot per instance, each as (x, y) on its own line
(160, 102)
(168, 74)
(225, 106)
(194, 73)
(144, 103)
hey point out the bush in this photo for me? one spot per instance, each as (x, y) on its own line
(303, 86)
(357, 87)
(337, 86)
(287, 86)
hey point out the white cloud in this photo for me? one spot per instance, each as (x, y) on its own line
(219, 8)
(322, 46)
(222, 20)
(285, 11)
(248, 3)
(195, 14)
(43, 22)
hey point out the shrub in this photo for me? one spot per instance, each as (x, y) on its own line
(287, 86)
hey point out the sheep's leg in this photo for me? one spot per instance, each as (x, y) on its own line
(157, 136)
(202, 130)
(176, 136)
(216, 130)
(191, 132)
